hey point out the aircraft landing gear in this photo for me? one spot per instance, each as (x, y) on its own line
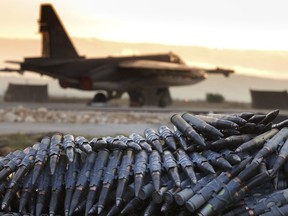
(151, 97)
(164, 97)
(136, 98)
(99, 98)
(102, 97)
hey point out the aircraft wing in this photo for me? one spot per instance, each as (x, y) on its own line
(225, 72)
(11, 70)
(163, 67)
(13, 62)
(151, 65)
(6, 69)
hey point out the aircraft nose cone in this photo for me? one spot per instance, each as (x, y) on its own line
(203, 74)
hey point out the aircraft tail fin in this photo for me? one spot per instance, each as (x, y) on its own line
(55, 41)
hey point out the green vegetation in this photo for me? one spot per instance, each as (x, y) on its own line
(214, 98)
(19, 141)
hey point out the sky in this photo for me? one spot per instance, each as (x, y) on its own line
(236, 24)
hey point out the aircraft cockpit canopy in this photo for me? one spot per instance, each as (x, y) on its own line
(175, 59)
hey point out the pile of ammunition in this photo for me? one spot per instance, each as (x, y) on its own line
(214, 164)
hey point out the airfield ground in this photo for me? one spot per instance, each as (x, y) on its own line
(21, 124)
(98, 119)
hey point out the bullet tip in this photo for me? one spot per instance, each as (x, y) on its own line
(99, 210)
(138, 180)
(36, 172)
(163, 209)
(137, 193)
(257, 160)
(53, 162)
(52, 170)
(91, 211)
(77, 209)
(226, 164)
(156, 180)
(3, 206)
(71, 211)
(209, 168)
(70, 154)
(11, 184)
(272, 172)
(118, 201)
(275, 183)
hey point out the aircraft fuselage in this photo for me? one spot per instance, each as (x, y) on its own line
(105, 73)
(146, 78)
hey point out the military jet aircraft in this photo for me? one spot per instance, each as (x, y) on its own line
(146, 78)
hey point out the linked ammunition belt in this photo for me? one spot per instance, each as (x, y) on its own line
(215, 164)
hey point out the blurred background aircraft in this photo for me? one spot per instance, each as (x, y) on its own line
(253, 45)
(146, 78)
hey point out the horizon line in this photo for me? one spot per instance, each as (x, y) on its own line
(153, 43)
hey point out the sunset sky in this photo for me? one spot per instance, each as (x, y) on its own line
(243, 24)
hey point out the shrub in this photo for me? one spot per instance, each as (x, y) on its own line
(214, 98)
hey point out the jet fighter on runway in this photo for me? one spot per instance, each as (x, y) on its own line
(146, 78)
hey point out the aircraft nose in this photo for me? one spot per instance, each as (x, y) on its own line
(201, 74)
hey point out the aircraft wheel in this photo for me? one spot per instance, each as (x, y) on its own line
(164, 97)
(136, 99)
(100, 98)
(164, 102)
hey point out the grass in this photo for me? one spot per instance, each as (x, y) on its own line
(21, 141)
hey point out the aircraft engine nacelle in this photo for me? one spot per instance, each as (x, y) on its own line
(86, 83)
(63, 84)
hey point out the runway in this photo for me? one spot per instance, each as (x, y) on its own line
(193, 106)
(100, 120)
(79, 119)
(75, 129)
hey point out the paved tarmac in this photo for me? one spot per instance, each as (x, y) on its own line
(119, 108)
(75, 129)
(100, 129)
